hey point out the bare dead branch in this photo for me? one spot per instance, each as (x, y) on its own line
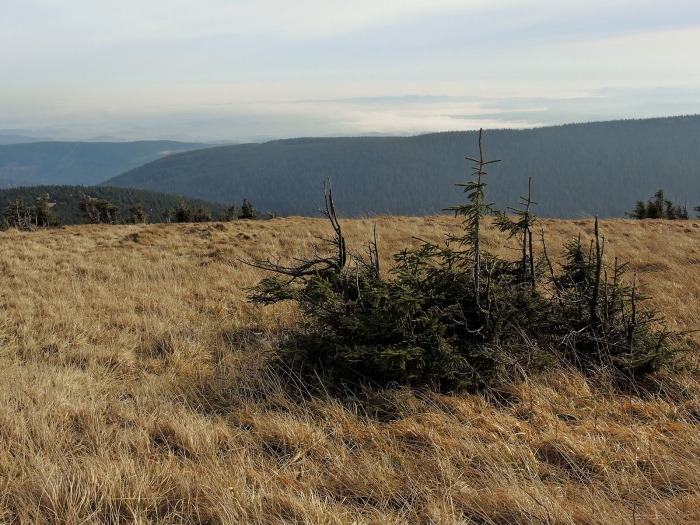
(318, 263)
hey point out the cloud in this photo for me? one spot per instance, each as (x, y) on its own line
(369, 115)
(89, 61)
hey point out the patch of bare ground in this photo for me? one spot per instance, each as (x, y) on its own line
(136, 389)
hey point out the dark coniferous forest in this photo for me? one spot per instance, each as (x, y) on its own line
(577, 169)
(67, 198)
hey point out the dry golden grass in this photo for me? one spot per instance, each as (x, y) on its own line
(135, 390)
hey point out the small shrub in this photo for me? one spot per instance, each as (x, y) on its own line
(137, 215)
(98, 211)
(247, 211)
(43, 215)
(19, 215)
(202, 214)
(231, 214)
(659, 208)
(183, 212)
(455, 316)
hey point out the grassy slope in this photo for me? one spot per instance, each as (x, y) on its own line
(135, 389)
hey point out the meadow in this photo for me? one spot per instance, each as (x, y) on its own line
(137, 387)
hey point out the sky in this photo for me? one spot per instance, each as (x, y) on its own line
(240, 70)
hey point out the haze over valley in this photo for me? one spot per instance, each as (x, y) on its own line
(244, 71)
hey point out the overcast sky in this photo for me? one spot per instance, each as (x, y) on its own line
(239, 69)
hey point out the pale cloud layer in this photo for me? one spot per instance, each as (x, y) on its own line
(241, 69)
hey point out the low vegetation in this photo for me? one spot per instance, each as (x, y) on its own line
(660, 208)
(455, 316)
(104, 205)
(66, 201)
(19, 215)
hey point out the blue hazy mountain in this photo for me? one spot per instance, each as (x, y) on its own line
(54, 162)
(576, 169)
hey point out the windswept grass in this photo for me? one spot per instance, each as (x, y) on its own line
(136, 389)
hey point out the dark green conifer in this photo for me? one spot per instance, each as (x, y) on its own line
(231, 214)
(640, 211)
(659, 208)
(183, 212)
(475, 209)
(44, 215)
(433, 323)
(18, 215)
(202, 214)
(522, 228)
(98, 211)
(247, 211)
(137, 215)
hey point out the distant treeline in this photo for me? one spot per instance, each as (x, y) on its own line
(659, 207)
(156, 207)
(577, 169)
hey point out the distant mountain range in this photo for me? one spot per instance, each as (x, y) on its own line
(576, 169)
(32, 163)
(14, 138)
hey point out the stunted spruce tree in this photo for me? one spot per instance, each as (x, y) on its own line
(456, 316)
(19, 215)
(475, 209)
(98, 211)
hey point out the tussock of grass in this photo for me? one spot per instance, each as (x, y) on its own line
(136, 389)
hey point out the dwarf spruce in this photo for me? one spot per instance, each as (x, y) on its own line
(454, 316)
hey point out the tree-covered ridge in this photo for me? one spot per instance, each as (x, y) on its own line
(79, 162)
(67, 201)
(577, 169)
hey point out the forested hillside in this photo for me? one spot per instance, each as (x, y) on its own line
(576, 169)
(66, 200)
(79, 162)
